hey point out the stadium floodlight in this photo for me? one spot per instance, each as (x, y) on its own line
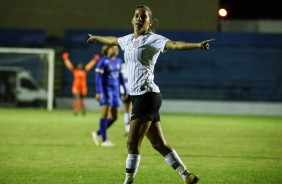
(39, 62)
(222, 12)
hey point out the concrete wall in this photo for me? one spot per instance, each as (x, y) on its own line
(56, 16)
(197, 107)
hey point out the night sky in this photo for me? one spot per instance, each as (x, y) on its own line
(253, 9)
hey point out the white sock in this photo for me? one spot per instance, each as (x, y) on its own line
(132, 164)
(176, 163)
(127, 121)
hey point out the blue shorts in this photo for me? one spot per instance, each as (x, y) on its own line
(110, 98)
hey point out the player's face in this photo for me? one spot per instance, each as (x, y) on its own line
(113, 51)
(141, 21)
(79, 66)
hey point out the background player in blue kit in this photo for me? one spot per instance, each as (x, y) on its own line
(108, 80)
(127, 104)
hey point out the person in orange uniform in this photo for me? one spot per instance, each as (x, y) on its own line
(79, 85)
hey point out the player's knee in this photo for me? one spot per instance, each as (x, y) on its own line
(132, 147)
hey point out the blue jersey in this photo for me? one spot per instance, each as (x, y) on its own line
(108, 79)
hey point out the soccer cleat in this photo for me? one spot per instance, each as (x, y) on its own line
(95, 138)
(191, 179)
(107, 144)
(128, 182)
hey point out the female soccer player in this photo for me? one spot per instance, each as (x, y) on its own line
(141, 50)
(108, 80)
(79, 85)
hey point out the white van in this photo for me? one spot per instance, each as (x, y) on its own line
(18, 87)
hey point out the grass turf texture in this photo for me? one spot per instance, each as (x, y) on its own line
(38, 146)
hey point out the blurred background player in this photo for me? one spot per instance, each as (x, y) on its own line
(126, 101)
(79, 85)
(108, 80)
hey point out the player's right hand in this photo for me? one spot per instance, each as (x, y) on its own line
(98, 97)
(91, 38)
(65, 55)
(124, 97)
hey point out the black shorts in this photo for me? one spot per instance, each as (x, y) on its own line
(147, 105)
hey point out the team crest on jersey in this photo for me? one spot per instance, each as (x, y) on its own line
(136, 44)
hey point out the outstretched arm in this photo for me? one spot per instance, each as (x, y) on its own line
(67, 61)
(92, 62)
(98, 82)
(181, 45)
(110, 40)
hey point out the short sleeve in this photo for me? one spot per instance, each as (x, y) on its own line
(122, 41)
(158, 42)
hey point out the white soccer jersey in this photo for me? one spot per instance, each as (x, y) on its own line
(140, 56)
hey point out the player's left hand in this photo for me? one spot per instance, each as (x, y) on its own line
(205, 44)
(65, 55)
(96, 57)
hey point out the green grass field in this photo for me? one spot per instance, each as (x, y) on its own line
(37, 146)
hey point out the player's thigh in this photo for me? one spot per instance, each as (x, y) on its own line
(114, 112)
(138, 129)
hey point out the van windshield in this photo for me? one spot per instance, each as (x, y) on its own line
(25, 83)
